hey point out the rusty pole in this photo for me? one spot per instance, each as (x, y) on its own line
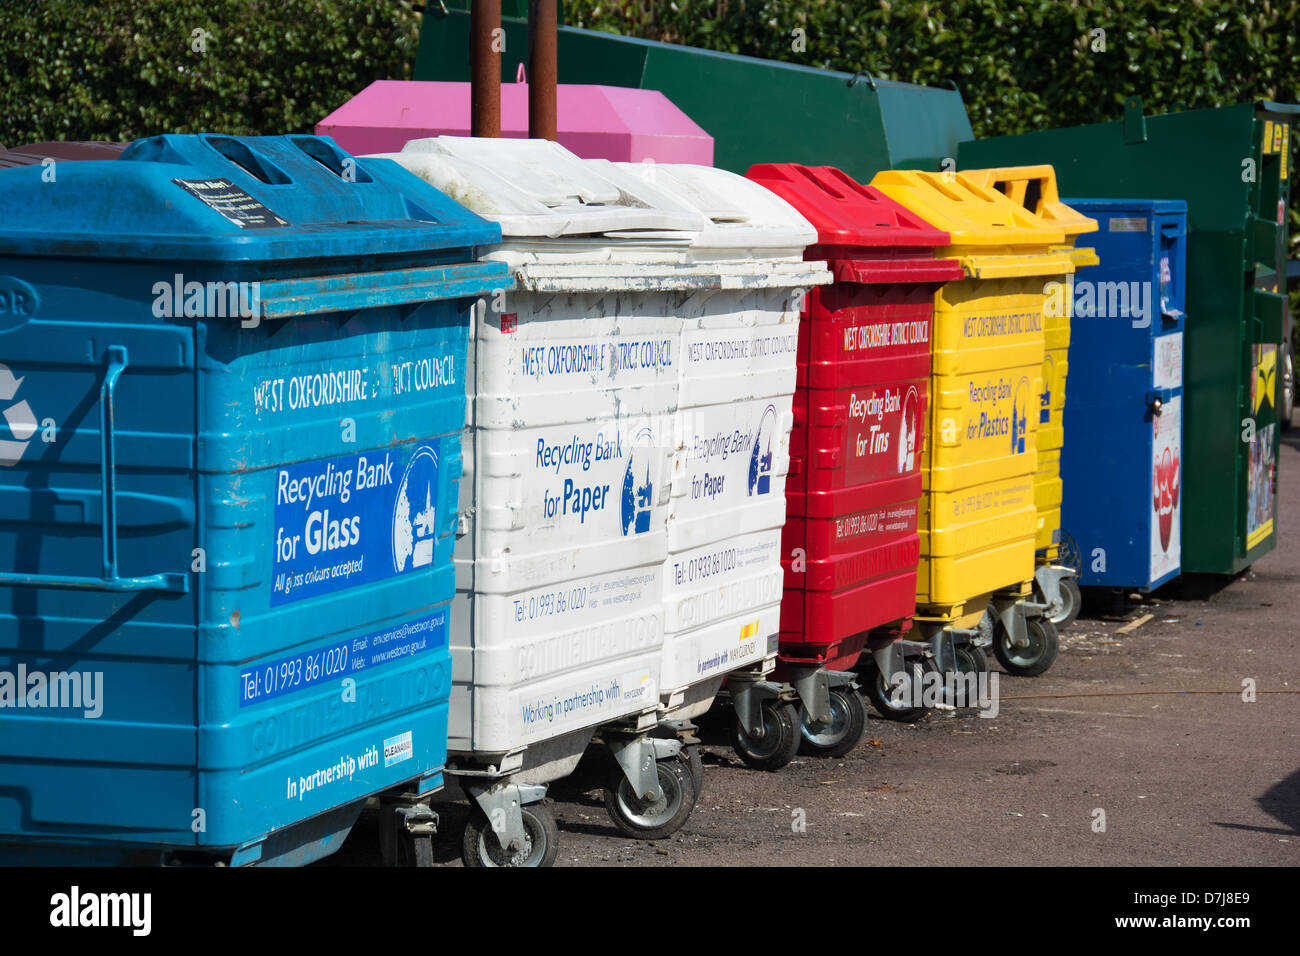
(542, 69)
(485, 68)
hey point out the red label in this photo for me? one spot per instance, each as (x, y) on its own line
(882, 437)
(509, 322)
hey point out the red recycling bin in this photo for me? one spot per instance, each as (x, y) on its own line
(850, 544)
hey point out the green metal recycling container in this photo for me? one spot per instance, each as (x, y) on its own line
(757, 111)
(1232, 166)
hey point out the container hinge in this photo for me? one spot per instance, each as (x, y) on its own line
(1135, 124)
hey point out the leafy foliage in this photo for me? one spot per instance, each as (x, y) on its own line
(1020, 65)
(121, 69)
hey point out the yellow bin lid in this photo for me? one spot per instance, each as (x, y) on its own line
(973, 213)
(1034, 188)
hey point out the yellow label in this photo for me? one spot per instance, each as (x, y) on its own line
(1265, 377)
(1259, 534)
(1286, 149)
(1268, 137)
(1277, 137)
(748, 630)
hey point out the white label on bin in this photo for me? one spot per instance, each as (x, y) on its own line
(398, 749)
(637, 688)
(1166, 482)
(1128, 224)
(1167, 364)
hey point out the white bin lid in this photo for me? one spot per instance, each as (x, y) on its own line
(570, 224)
(740, 213)
(538, 189)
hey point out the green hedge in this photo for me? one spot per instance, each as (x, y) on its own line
(1020, 66)
(121, 69)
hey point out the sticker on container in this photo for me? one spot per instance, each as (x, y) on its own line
(1167, 363)
(340, 659)
(638, 688)
(1128, 224)
(1020, 417)
(1166, 486)
(1166, 287)
(637, 497)
(398, 749)
(342, 522)
(761, 457)
(1261, 487)
(882, 432)
(1045, 397)
(232, 202)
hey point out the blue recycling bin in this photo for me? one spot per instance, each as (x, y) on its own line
(1121, 466)
(232, 377)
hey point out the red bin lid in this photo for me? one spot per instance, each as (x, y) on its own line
(845, 213)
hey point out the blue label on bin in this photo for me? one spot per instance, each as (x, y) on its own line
(350, 658)
(342, 522)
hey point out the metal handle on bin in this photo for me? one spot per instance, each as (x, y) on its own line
(178, 583)
(1158, 398)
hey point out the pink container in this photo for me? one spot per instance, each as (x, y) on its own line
(595, 122)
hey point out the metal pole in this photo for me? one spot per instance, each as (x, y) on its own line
(542, 69)
(485, 68)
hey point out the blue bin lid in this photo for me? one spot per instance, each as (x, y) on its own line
(230, 198)
(1151, 206)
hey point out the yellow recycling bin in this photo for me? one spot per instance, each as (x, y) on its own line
(979, 520)
(1034, 188)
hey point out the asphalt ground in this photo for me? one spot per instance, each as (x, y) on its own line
(1134, 749)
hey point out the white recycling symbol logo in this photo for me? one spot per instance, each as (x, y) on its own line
(18, 415)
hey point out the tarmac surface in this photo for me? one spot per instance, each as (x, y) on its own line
(1149, 728)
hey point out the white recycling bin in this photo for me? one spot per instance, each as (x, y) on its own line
(576, 612)
(739, 339)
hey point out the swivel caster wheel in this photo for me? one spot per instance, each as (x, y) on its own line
(845, 729)
(780, 740)
(881, 693)
(480, 846)
(1034, 658)
(662, 815)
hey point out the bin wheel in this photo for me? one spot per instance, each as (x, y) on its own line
(844, 731)
(658, 818)
(480, 847)
(780, 740)
(971, 659)
(881, 694)
(696, 764)
(400, 848)
(985, 627)
(1032, 660)
(1064, 613)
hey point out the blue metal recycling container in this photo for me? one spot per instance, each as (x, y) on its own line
(232, 378)
(1121, 465)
